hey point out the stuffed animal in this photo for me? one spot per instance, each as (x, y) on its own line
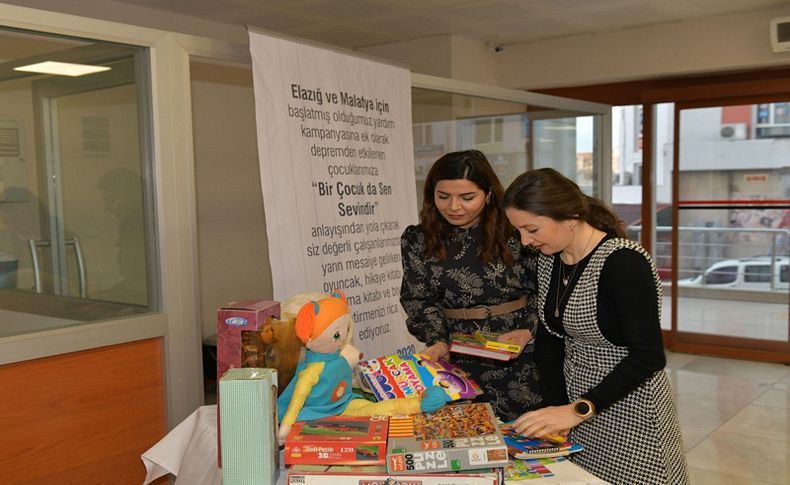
(322, 386)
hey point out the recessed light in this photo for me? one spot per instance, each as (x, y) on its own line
(62, 68)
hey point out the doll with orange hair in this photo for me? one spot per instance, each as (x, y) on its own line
(322, 386)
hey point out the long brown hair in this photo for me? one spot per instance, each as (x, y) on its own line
(469, 165)
(546, 192)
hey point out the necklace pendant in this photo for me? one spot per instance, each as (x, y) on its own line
(565, 282)
(556, 313)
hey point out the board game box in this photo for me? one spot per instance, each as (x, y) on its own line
(456, 437)
(377, 475)
(348, 440)
(394, 376)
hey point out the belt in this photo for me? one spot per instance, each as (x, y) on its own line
(481, 311)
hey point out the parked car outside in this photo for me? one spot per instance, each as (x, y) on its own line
(744, 274)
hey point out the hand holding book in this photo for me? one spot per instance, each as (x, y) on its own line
(439, 350)
(519, 336)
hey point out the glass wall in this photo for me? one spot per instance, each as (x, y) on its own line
(734, 221)
(514, 136)
(73, 193)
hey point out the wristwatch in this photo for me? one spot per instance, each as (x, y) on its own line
(583, 408)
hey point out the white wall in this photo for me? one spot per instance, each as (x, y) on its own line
(453, 56)
(694, 46)
(717, 44)
(232, 245)
(134, 15)
(429, 55)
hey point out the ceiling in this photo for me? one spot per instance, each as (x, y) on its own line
(361, 23)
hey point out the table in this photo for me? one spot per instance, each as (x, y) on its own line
(189, 452)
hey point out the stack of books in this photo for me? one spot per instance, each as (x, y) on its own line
(523, 448)
(484, 344)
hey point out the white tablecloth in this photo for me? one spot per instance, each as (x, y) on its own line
(189, 452)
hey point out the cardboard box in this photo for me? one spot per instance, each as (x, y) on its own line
(249, 426)
(454, 438)
(233, 320)
(374, 475)
(338, 440)
(237, 322)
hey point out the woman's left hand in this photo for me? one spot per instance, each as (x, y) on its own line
(549, 420)
(519, 336)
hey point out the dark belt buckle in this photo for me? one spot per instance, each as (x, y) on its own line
(485, 309)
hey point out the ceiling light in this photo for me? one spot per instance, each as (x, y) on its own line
(62, 68)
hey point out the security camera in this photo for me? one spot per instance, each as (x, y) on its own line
(495, 48)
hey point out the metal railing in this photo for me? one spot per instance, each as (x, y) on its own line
(701, 247)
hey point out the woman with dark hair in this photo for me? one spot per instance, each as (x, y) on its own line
(464, 270)
(599, 346)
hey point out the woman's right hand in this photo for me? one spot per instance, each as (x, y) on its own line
(439, 350)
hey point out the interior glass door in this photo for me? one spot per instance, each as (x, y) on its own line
(94, 208)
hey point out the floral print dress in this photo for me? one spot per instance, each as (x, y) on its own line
(463, 280)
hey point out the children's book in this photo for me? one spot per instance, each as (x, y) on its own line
(491, 340)
(394, 376)
(456, 437)
(348, 440)
(529, 469)
(377, 475)
(465, 343)
(522, 448)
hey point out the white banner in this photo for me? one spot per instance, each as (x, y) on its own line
(337, 174)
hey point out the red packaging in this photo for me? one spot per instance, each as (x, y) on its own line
(338, 440)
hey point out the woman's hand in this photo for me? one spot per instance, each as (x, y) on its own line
(555, 420)
(439, 350)
(519, 336)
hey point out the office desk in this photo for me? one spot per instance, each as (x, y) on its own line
(189, 452)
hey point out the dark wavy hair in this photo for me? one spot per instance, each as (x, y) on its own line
(469, 165)
(546, 192)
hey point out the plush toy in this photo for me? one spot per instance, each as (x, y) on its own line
(322, 386)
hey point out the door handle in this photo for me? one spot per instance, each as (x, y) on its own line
(33, 245)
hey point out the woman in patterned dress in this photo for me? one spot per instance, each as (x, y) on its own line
(465, 270)
(599, 346)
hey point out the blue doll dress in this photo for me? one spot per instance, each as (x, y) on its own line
(331, 394)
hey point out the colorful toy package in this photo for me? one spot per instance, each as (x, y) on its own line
(394, 376)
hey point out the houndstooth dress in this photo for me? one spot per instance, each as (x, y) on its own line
(637, 440)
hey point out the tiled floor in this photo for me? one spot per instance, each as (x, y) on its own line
(766, 321)
(735, 417)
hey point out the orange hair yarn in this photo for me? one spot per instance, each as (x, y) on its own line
(315, 316)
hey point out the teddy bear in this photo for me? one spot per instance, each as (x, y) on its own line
(322, 386)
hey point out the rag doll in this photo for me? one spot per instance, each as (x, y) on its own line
(322, 386)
